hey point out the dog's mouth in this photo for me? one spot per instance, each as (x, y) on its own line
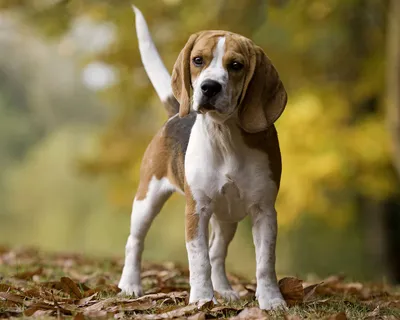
(207, 107)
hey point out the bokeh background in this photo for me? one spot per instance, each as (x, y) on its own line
(77, 112)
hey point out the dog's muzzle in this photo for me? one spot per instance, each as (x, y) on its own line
(209, 89)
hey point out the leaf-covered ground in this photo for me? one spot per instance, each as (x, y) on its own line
(35, 284)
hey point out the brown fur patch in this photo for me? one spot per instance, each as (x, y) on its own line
(157, 162)
(267, 141)
(191, 216)
(172, 106)
(165, 155)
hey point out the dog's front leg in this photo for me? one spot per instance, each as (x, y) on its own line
(196, 225)
(264, 228)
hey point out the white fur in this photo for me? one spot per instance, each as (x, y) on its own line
(152, 62)
(264, 227)
(215, 71)
(143, 213)
(231, 180)
(221, 235)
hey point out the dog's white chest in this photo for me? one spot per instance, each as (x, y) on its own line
(225, 176)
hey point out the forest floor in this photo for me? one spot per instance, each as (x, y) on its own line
(44, 285)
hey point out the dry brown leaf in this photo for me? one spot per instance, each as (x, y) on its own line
(338, 316)
(44, 313)
(5, 287)
(205, 305)
(84, 301)
(13, 297)
(133, 306)
(32, 310)
(292, 290)
(176, 295)
(251, 288)
(198, 316)
(41, 306)
(175, 313)
(28, 274)
(251, 314)
(70, 287)
(373, 314)
(224, 308)
(309, 291)
(52, 285)
(99, 314)
(99, 305)
(79, 316)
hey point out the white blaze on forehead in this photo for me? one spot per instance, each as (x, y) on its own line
(218, 55)
(215, 71)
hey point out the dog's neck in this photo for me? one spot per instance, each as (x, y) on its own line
(223, 137)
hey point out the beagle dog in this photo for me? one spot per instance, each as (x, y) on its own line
(220, 149)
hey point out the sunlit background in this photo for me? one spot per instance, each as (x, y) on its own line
(77, 112)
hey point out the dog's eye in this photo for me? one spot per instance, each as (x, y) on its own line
(236, 66)
(198, 61)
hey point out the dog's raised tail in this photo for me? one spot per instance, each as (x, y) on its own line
(154, 66)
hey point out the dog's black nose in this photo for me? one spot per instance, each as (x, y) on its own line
(210, 88)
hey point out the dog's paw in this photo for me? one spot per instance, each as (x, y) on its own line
(228, 295)
(129, 289)
(201, 295)
(277, 303)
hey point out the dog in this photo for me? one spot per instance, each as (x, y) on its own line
(220, 149)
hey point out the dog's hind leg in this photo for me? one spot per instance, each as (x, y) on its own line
(221, 235)
(144, 210)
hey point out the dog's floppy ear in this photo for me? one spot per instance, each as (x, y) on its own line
(181, 77)
(263, 97)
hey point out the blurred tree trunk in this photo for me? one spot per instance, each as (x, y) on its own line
(393, 80)
(392, 208)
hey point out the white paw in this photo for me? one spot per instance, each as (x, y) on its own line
(130, 289)
(228, 295)
(272, 303)
(201, 295)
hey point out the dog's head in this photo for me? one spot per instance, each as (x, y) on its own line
(229, 75)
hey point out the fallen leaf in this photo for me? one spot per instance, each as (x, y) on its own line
(99, 305)
(79, 316)
(43, 313)
(28, 274)
(157, 296)
(175, 313)
(12, 297)
(251, 314)
(205, 305)
(5, 287)
(70, 287)
(373, 314)
(33, 293)
(99, 314)
(38, 306)
(85, 301)
(309, 291)
(292, 290)
(133, 306)
(224, 308)
(198, 316)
